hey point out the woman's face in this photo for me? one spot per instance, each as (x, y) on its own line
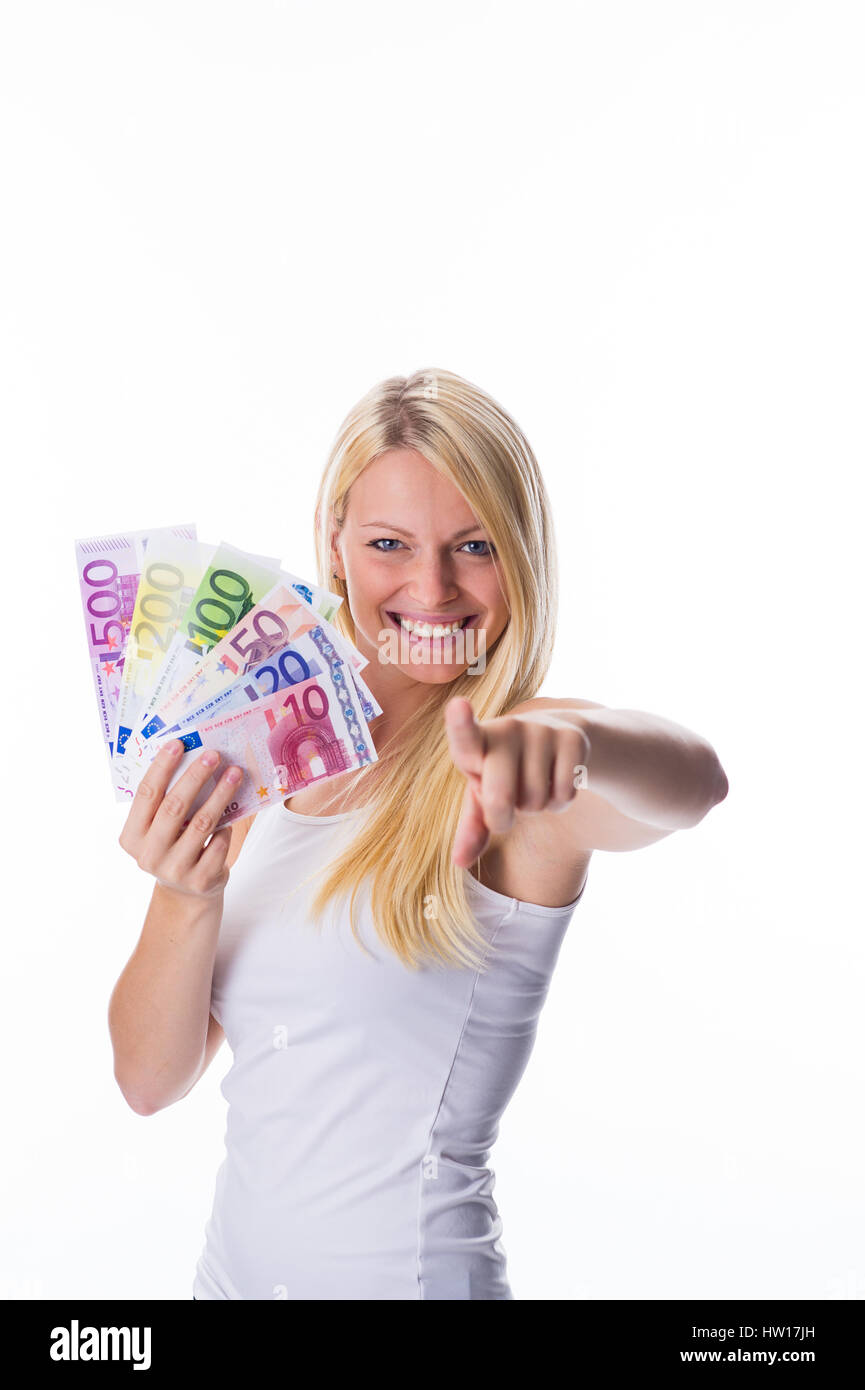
(411, 549)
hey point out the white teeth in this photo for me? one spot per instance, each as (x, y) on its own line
(428, 630)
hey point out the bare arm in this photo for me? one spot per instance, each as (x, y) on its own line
(647, 776)
(162, 1032)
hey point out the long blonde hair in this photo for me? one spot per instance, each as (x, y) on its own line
(404, 844)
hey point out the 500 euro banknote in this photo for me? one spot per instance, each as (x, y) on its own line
(109, 569)
(284, 742)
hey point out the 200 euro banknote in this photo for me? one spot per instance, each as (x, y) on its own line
(172, 572)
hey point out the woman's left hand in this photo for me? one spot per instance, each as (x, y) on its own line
(516, 764)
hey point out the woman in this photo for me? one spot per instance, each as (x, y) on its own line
(381, 955)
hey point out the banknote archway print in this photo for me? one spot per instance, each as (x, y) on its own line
(308, 752)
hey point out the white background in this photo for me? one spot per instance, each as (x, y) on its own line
(640, 227)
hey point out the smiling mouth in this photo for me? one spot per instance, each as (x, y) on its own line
(421, 632)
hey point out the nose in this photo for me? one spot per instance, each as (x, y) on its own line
(431, 583)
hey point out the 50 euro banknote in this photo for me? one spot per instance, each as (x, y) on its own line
(305, 733)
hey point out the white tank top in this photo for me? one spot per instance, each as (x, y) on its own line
(364, 1098)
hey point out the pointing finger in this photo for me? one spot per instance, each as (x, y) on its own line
(467, 743)
(472, 836)
(500, 784)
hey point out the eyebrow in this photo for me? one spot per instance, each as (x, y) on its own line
(389, 526)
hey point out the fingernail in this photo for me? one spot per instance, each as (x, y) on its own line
(174, 748)
(234, 774)
(209, 759)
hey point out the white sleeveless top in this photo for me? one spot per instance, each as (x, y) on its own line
(364, 1098)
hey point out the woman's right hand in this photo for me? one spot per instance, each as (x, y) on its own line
(154, 832)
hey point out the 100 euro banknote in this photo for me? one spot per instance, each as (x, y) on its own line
(109, 568)
(232, 583)
(284, 742)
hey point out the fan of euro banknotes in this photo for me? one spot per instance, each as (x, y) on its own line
(225, 650)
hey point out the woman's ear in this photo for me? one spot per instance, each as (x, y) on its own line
(333, 556)
(336, 566)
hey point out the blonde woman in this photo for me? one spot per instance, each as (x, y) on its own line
(380, 957)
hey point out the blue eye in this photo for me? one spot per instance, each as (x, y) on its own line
(391, 541)
(382, 539)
